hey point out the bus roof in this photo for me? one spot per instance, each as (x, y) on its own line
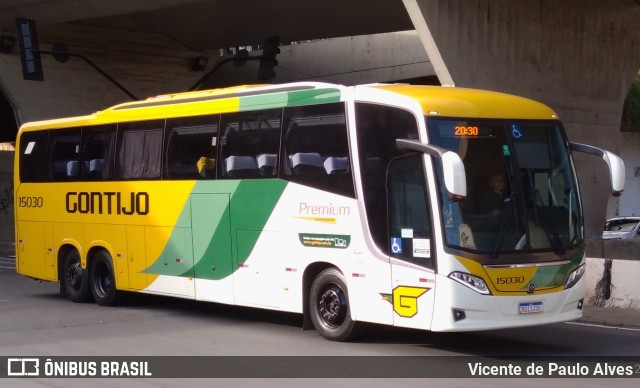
(435, 101)
(224, 100)
(462, 102)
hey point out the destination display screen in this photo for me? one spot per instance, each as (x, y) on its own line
(464, 129)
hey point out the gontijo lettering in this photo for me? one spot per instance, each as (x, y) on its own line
(109, 202)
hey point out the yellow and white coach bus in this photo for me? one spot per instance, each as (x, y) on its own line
(372, 203)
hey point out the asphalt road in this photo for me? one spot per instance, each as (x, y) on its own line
(36, 321)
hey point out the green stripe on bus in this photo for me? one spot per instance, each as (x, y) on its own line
(217, 220)
(249, 210)
(315, 96)
(556, 275)
(286, 99)
(269, 101)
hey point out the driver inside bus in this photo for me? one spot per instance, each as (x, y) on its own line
(493, 198)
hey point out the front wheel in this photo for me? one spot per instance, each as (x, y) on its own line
(103, 285)
(329, 307)
(75, 279)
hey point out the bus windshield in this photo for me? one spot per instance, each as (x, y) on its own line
(522, 192)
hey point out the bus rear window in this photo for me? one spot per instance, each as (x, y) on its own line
(33, 156)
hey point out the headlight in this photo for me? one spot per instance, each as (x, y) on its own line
(575, 276)
(474, 282)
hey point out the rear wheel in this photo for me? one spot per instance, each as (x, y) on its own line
(103, 284)
(75, 279)
(329, 307)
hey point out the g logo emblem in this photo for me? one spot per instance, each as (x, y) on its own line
(405, 300)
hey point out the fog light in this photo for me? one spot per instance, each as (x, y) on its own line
(458, 315)
(580, 304)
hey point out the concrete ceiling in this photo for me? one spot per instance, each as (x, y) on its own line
(212, 24)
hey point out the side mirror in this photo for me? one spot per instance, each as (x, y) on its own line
(614, 163)
(455, 179)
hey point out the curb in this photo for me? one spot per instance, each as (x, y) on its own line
(611, 316)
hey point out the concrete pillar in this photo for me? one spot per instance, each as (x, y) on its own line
(578, 56)
(630, 145)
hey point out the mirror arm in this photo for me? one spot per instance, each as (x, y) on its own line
(614, 163)
(453, 169)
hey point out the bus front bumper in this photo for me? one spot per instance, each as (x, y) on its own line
(459, 308)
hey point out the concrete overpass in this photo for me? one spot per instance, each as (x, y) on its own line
(579, 56)
(212, 24)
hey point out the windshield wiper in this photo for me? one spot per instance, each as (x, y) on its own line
(552, 234)
(504, 225)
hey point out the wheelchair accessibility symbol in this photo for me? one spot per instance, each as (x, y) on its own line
(396, 245)
(516, 132)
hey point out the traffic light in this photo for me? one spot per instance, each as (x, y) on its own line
(29, 52)
(268, 60)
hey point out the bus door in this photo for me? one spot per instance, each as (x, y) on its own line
(411, 250)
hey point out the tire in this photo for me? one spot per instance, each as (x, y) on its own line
(75, 279)
(102, 280)
(329, 307)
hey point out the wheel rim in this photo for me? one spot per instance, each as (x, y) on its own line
(103, 280)
(332, 306)
(74, 276)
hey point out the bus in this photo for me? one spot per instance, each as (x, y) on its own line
(344, 204)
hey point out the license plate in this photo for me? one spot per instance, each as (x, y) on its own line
(531, 307)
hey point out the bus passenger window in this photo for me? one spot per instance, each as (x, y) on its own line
(139, 151)
(191, 144)
(316, 148)
(96, 158)
(64, 149)
(249, 144)
(33, 156)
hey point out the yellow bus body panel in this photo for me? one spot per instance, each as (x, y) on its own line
(68, 207)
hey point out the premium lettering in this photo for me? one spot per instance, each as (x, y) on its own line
(109, 202)
(323, 210)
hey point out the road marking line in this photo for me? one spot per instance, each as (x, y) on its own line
(602, 326)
